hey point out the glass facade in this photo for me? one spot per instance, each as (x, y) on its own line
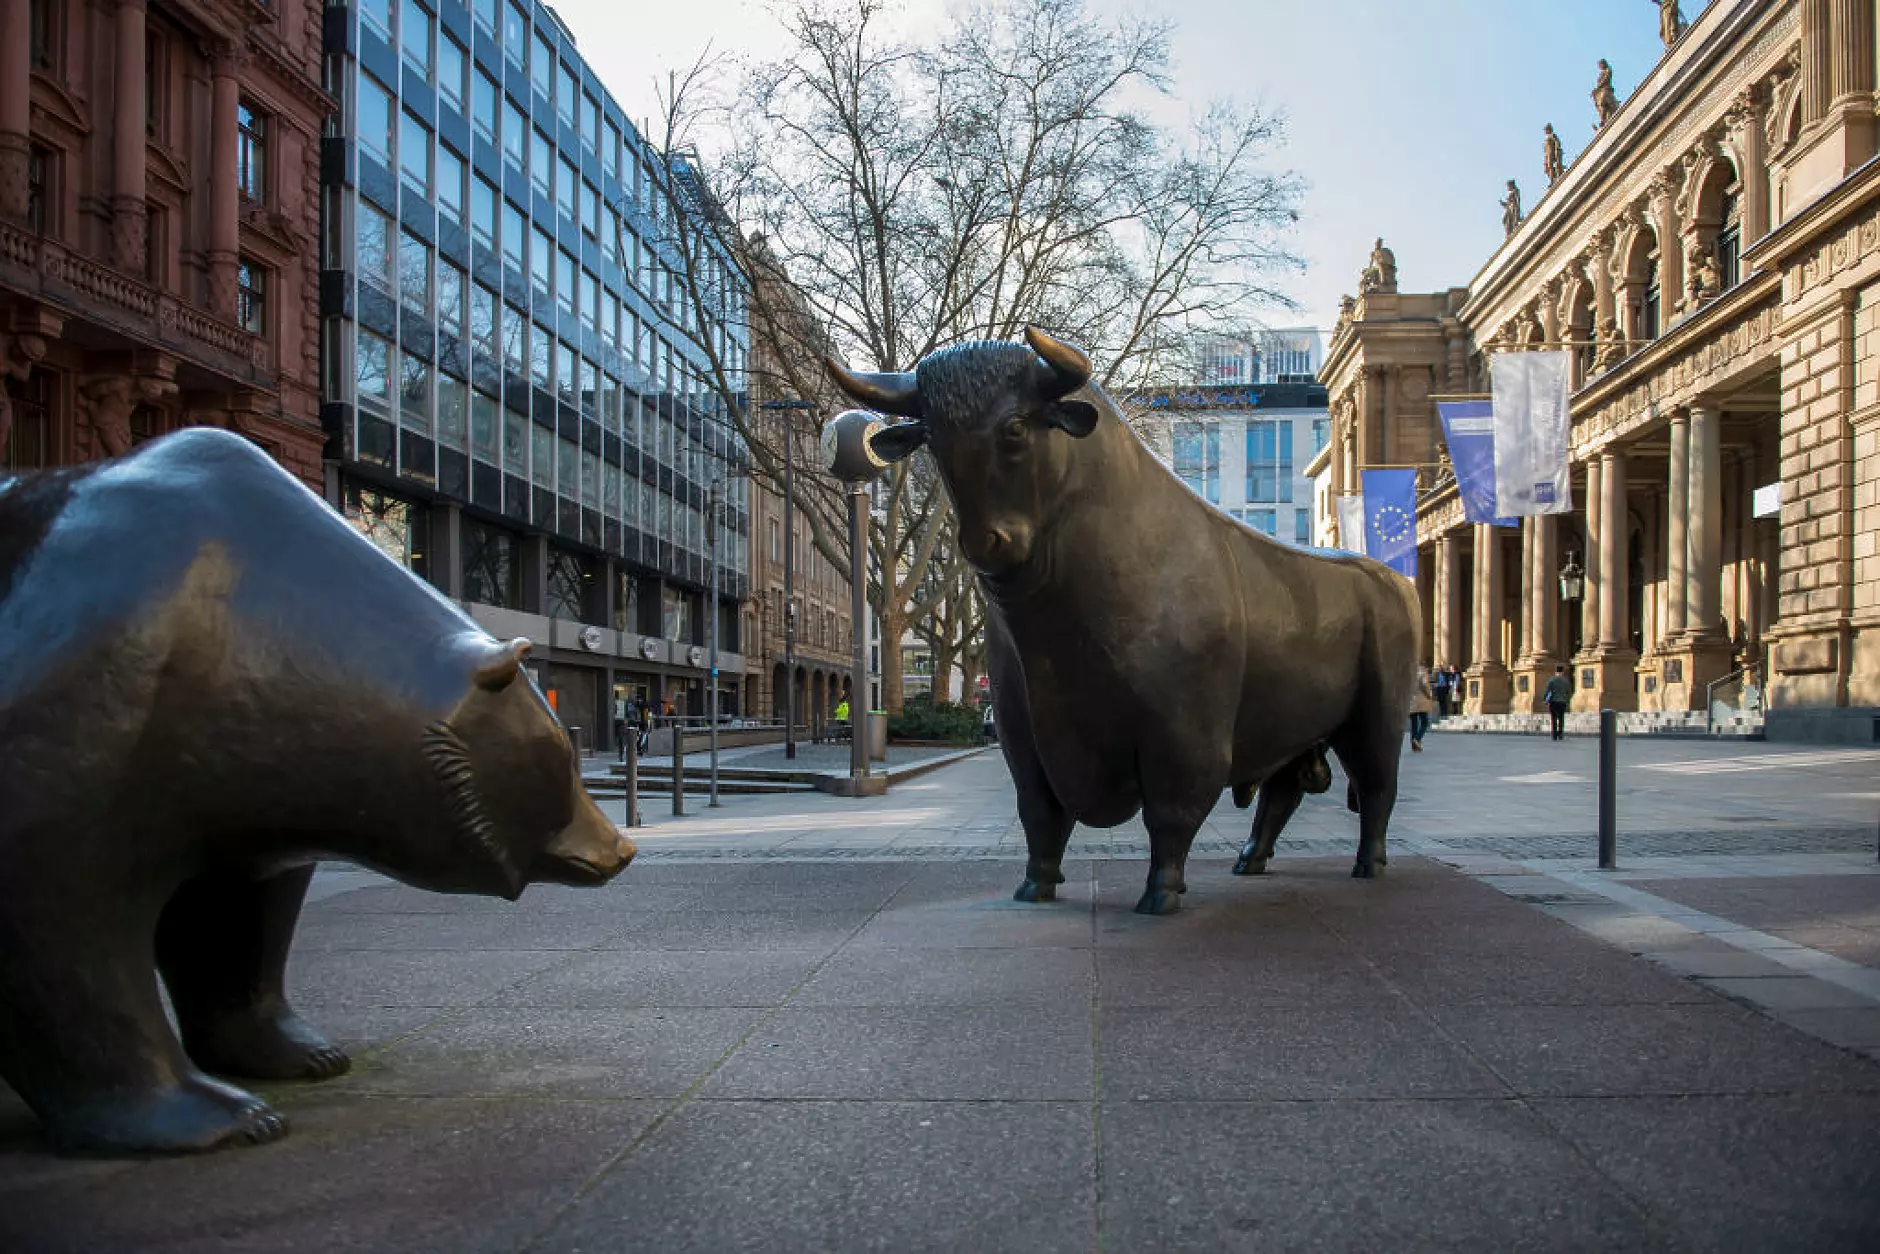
(491, 335)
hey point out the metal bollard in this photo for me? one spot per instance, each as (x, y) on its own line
(1608, 790)
(678, 769)
(630, 751)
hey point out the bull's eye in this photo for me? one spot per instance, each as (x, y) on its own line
(1014, 435)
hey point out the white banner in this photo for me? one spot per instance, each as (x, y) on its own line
(1531, 431)
(1351, 522)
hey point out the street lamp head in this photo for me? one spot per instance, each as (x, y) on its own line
(845, 446)
(1572, 580)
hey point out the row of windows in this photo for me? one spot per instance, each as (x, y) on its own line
(1270, 467)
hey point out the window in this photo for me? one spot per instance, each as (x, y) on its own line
(375, 119)
(251, 297)
(156, 85)
(542, 165)
(516, 35)
(483, 322)
(567, 179)
(1649, 308)
(415, 31)
(566, 93)
(450, 285)
(1261, 520)
(610, 151)
(450, 185)
(372, 370)
(414, 274)
(483, 212)
(565, 375)
(567, 470)
(451, 64)
(1302, 526)
(491, 573)
(1730, 243)
(483, 424)
(566, 286)
(374, 250)
(451, 396)
(542, 67)
(395, 526)
(485, 13)
(514, 250)
(38, 190)
(569, 577)
(591, 209)
(377, 15)
(541, 353)
(1198, 458)
(414, 155)
(30, 445)
(515, 338)
(591, 303)
(484, 108)
(675, 617)
(590, 386)
(515, 135)
(541, 456)
(543, 260)
(46, 33)
(1269, 460)
(251, 152)
(414, 394)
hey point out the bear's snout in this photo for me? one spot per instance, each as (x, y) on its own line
(589, 851)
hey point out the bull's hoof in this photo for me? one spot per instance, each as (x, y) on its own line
(1366, 869)
(1159, 901)
(1032, 890)
(1250, 865)
(197, 1115)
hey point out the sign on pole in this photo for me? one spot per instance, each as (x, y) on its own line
(1531, 425)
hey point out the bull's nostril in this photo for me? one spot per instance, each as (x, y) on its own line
(997, 540)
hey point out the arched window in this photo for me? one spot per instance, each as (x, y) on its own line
(1729, 241)
(1654, 300)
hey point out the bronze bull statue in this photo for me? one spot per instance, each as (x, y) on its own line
(1146, 650)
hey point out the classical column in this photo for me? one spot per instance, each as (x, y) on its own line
(224, 185)
(1488, 596)
(1665, 223)
(1525, 640)
(1850, 71)
(1748, 114)
(1591, 560)
(129, 186)
(1704, 569)
(1543, 594)
(1612, 545)
(1817, 55)
(1448, 599)
(1677, 512)
(16, 106)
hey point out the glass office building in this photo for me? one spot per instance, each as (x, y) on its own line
(510, 409)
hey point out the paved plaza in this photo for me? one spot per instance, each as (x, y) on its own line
(808, 1023)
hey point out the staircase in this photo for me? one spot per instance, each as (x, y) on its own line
(1679, 724)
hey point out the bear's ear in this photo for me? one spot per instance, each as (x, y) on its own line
(503, 665)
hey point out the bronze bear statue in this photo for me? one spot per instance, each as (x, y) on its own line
(209, 680)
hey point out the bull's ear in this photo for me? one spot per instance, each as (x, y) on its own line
(1078, 418)
(893, 443)
(503, 665)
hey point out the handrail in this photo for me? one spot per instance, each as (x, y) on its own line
(1710, 689)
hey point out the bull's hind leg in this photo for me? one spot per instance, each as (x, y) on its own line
(222, 947)
(84, 1042)
(1370, 758)
(1279, 797)
(1171, 834)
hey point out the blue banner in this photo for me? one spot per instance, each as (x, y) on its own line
(1390, 518)
(1469, 430)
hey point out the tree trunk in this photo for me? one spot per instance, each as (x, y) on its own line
(969, 676)
(893, 627)
(942, 675)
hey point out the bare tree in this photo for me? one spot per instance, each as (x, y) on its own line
(911, 195)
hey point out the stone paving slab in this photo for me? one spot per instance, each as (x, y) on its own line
(895, 1056)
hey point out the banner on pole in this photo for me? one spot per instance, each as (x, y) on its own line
(1469, 431)
(1390, 518)
(1351, 523)
(1531, 429)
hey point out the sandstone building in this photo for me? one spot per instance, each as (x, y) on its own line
(1712, 260)
(159, 219)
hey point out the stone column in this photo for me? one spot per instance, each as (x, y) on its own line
(129, 185)
(1595, 575)
(1664, 220)
(1850, 71)
(224, 185)
(1677, 512)
(1613, 593)
(1749, 109)
(1704, 569)
(1488, 674)
(1448, 598)
(1543, 596)
(1817, 54)
(16, 106)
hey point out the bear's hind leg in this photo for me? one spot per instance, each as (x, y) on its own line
(84, 1042)
(222, 947)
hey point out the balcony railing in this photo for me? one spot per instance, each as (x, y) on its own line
(48, 269)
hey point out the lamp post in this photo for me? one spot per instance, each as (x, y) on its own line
(789, 571)
(711, 700)
(847, 454)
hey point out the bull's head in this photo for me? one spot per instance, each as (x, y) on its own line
(996, 416)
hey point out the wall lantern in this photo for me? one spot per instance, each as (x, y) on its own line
(1572, 580)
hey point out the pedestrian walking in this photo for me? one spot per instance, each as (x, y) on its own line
(1558, 695)
(1421, 702)
(1439, 684)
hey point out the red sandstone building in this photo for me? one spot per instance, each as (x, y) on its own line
(159, 225)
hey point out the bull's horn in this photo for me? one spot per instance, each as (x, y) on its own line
(1067, 367)
(884, 393)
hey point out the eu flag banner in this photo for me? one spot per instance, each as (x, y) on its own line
(1469, 431)
(1531, 429)
(1390, 518)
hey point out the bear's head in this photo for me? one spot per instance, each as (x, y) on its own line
(514, 812)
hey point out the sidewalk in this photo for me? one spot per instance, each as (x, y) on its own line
(892, 1055)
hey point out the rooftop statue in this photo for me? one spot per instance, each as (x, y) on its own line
(1670, 21)
(208, 680)
(1511, 210)
(1552, 159)
(1147, 651)
(1380, 275)
(1605, 100)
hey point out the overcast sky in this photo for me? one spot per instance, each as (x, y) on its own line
(1406, 117)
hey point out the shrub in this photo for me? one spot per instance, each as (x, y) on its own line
(923, 718)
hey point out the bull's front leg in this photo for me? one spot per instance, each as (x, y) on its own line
(1047, 832)
(1171, 834)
